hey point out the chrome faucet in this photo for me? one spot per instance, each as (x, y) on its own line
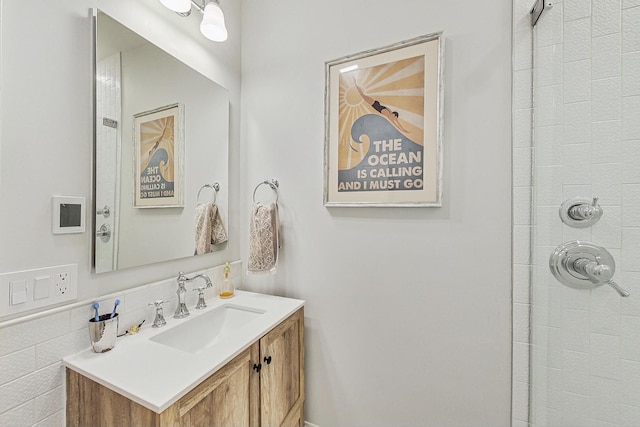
(182, 310)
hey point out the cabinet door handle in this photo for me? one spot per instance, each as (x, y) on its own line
(267, 360)
(257, 367)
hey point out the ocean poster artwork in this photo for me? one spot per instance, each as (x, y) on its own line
(157, 158)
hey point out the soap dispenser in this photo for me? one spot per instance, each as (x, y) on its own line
(226, 290)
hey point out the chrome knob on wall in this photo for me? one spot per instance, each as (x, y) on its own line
(580, 212)
(106, 211)
(104, 232)
(583, 265)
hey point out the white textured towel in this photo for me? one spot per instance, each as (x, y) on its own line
(264, 238)
(209, 228)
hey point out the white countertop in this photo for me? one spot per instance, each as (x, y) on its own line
(155, 375)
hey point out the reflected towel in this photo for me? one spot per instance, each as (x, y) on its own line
(209, 228)
(264, 238)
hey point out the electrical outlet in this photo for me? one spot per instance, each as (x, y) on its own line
(43, 287)
(62, 283)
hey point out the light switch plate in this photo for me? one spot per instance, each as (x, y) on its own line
(39, 289)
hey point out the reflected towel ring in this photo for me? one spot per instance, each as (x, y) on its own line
(215, 187)
(273, 183)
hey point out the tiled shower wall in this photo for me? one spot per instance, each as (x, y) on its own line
(585, 366)
(32, 379)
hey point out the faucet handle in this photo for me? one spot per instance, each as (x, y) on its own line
(159, 320)
(201, 303)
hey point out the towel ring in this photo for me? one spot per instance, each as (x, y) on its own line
(215, 187)
(273, 183)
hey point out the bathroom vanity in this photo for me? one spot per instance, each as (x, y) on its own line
(250, 376)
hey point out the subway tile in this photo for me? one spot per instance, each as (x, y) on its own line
(572, 233)
(18, 364)
(577, 163)
(53, 351)
(577, 123)
(605, 54)
(577, 81)
(576, 9)
(606, 183)
(26, 334)
(549, 106)
(549, 29)
(631, 156)
(549, 228)
(629, 415)
(630, 338)
(520, 400)
(575, 330)
(549, 70)
(522, 84)
(631, 30)
(549, 142)
(605, 17)
(521, 362)
(605, 356)
(575, 371)
(522, 131)
(631, 117)
(606, 142)
(576, 299)
(28, 387)
(55, 420)
(576, 409)
(605, 311)
(608, 230)
(606, 95)
(631, 205)
(577, 37)
(49, 403)
(522, 167)
(630, 378)
(630, 74)
(630, 258)
(521, 283)
(522, 205)
(22, 415)
(629, 280)
(522, 53)
(521, 323)
(605, 404)
(630, 3)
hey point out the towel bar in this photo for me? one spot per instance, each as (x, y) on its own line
(215, 187)
(273, 183)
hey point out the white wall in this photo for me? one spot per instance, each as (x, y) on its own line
(46, 134)
(408, 315)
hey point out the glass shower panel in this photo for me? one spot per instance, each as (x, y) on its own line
(585, 353)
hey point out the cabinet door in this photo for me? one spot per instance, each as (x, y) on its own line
(222, 399)
(282, 374)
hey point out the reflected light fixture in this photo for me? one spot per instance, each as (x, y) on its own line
(212, 25)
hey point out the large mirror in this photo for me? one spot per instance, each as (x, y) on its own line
(161, 154)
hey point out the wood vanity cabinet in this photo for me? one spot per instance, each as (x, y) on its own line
(263, 386)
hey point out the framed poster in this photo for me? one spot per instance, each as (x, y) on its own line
(159, 157)
(383, 126)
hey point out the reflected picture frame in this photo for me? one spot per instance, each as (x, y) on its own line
(159, 157)
(384, 126)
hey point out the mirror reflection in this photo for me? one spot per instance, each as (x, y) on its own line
(161, 154)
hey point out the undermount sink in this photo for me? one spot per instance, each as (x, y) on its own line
(205, 330)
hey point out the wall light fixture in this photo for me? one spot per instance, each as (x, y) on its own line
(212, 25)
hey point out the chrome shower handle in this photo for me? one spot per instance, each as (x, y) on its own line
(583, 265)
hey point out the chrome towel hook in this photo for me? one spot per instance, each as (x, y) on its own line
(273, 183)
(215, 187)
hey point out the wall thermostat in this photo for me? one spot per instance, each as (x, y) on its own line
(68, 214)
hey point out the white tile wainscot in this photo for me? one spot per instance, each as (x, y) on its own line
(32, 384)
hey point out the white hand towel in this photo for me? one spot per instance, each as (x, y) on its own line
(264, 238)
(209, 228)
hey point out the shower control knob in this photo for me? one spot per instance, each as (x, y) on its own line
(583, 265)
(580, 212)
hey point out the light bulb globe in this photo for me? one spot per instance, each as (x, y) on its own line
(179, 6)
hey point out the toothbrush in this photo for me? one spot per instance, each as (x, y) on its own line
(95, 307)
(115, 305)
